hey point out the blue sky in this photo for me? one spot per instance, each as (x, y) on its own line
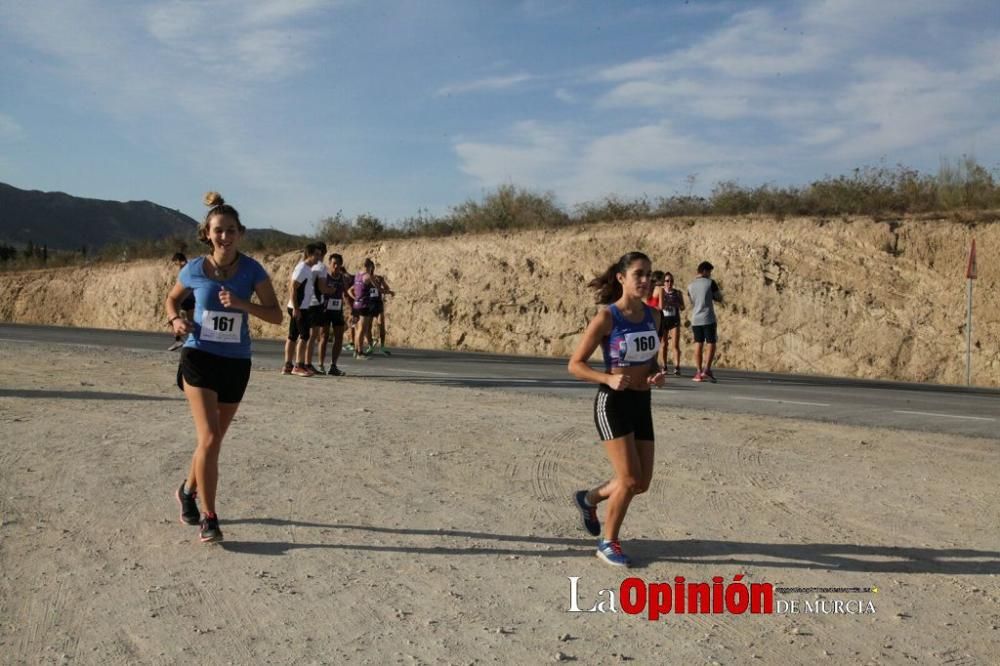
(295, 109)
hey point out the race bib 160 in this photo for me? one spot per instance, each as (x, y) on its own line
(640, 346)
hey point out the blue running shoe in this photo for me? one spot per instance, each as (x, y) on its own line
(611, 552)
(588, 514)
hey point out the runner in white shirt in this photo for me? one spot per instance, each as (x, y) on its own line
(317, 307)
(300, 292)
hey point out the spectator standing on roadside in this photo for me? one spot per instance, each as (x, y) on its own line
(179, 260)
(703, 292)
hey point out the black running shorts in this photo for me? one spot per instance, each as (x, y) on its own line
(705, 333)
(228, 377)
(299, 328)
(336, 317)
(669, 323)
(321, 318)
(619, 413)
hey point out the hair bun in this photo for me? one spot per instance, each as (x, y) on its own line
(213, 199)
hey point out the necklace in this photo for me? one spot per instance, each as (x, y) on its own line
(220, 271)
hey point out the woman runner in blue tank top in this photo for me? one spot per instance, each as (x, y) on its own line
(626, 331)
(215, 360)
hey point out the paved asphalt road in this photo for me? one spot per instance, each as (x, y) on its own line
(920, 407)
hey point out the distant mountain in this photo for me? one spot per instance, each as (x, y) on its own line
(61, 221)
(65, 222)
(272, 238)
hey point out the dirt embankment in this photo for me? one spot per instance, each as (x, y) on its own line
(849, 297)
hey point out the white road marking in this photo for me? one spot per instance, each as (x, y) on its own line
(789, 402)
(945, 416)
(499, 380)
(425, 372)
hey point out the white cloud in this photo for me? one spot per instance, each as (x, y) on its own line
(650, 147)
(689, 95)
(532, 154)
(264, 41)
(544, 9)
(768, 91)
(820, 135)
(488, 84)
(181, 75)
(580, 167)
(10, 129)
(898, 103)
(637, 69)
(564, 95)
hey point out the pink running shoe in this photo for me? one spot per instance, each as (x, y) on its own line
(698, 377)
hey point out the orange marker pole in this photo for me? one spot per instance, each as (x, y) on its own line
(970, 275)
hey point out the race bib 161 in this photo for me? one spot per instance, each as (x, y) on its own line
(221, 326)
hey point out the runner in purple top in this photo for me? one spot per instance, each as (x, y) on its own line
(360, 294)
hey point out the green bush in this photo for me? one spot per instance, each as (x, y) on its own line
(963, 186)
(509, 207)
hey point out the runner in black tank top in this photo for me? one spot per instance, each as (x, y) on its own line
(336, 297)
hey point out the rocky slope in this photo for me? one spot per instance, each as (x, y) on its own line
(849, 297)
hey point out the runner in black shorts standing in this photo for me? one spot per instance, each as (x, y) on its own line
(704, 293)
(671, 305)
(626, 331)
(337, 282)
(215, 362)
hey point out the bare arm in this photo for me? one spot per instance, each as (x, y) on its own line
(657, 375)
(296, 311)
(598, 329)
(268, 308)
(386, 289)
(179, 324)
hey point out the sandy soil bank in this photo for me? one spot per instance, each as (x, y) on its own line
(846, 297)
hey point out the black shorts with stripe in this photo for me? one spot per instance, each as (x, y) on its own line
(619, 413)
